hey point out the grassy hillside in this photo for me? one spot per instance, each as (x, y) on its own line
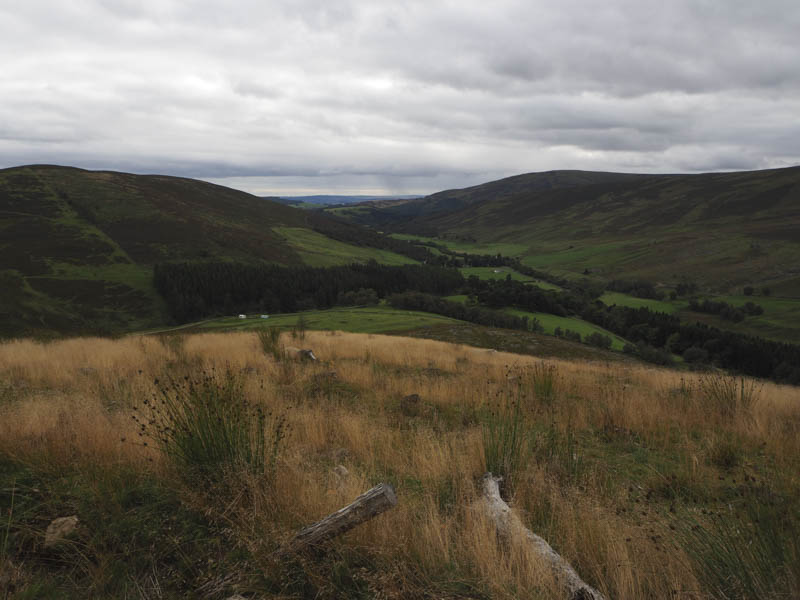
(722, 229)
(77, 247)
(409, 215)
(651, 483)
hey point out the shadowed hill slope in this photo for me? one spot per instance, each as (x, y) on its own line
(640, 202)
(78, 246)
(723, 229)
(410, 215)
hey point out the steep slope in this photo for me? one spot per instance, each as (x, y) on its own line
(77, 247)
(724, 229)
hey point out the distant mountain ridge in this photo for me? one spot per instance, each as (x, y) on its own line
(327, 199)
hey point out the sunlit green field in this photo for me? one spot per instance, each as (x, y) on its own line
(665, 306)
(320, 251)
(780, 321)
(550, 322)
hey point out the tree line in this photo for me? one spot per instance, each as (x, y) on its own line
(196, 290)
(727, 311)
(653, 334)
(638, 288)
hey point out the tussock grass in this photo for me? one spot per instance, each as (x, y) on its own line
(270, 340)
(206, 426)
(729, 396)
(506, 439)
(617, 454)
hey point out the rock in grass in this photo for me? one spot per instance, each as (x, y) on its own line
(300, 353)
(59, 530)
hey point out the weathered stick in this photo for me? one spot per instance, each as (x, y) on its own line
(368, 505)
(508, 523)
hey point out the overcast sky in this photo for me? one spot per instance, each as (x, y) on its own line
(327, 96)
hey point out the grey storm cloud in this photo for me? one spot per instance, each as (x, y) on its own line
(301, 96)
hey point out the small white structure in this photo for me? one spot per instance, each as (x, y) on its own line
(242, 316)
(265, 316)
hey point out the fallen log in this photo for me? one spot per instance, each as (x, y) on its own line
(368, 505)
(509, 524)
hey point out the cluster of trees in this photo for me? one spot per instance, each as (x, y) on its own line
(462, 312)
(749, 289)
(725, 310)
(638, 288)
(654, 334)
(362, 297)
(652, 355)
(598, 339)
(567, 334)
(509, 292)
(593, 339)
(196, 290)
(735, 351)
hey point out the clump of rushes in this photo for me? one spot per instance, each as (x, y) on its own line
(752, 553)
(207, 427)
(270, 339)
(543, 378)
(505, 438)
(729, 396)
(299, 329)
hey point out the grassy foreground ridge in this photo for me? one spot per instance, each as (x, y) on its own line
(652, 483)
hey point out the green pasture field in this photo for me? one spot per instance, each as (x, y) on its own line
(345, 210)
(780, 321)
(373, 319)
(318, 250)
(620, 299)
(579, 256)
(550, 322)
(506, 249)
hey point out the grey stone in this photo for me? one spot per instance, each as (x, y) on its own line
(59, 530)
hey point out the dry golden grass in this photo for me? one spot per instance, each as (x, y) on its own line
(70, 403)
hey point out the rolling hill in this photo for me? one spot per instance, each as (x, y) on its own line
(410, 214)
(723, 230)
(78, 246)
